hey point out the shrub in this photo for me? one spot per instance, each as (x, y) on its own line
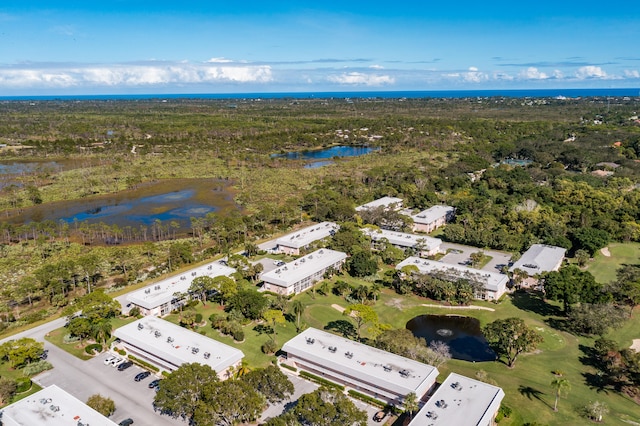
(23, 384)
(269, 347)
(69, 339)
(198, 318)
(121, 351)
(36, 367)
(143, 363)
(366, 398)
(134, 312)
(238, 335)
(32, 317)
(93, 349)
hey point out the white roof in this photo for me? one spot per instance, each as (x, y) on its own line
(432, 214)
(52, 406)
(460, 401)
(384, 201)
(492, 280)
(177, 345)
(306, 236)
(403, 239)
(305, 266)
(365, 363)
(163, 291)
(540, 258)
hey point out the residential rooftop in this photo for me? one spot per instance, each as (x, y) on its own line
(387, 202)
(176, 344)
(362, 362)
(163, 291)
(52, 406)
(306, 236)
(432, 214)
(492, 280)
(403, 239)
(460, 401)
(540, 258)
(305, 266)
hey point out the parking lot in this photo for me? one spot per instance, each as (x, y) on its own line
(459, 255)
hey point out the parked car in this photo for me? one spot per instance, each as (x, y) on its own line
(142, 376)
(108, 359)
(154, 383)
(379, 416)
(115, 361)
(126, 422)
(45, 354)
(125, 365)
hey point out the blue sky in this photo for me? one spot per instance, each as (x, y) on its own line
(129, 46)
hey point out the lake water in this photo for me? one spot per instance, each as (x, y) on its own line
(171, 200)
(462, 334)
(327, 153)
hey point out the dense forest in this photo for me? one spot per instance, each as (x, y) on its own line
(518, 171)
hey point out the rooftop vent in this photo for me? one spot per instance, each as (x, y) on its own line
(387, 368)
(169, 339)
(310, 256)
(157, 333)
(54, 408)
(321, 251)
(147, 291)
(45, 400)
(310, 341)
(432, 415)
(140, 326)
(209, 267)
(195, 350)
(332, 349)
(207, 355)
(456, 385)
(404, 373)
(441, 404)
(348, 354)
(156, 287)
(193, 274)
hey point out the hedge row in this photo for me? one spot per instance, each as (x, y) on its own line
(144, 364)
(95, 347)
(366, 398)
(320, 380)
(289, 367)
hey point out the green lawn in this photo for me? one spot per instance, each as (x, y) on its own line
(604, 268)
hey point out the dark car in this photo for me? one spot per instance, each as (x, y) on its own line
(379, 416)
(125, 365)
(142, 376)
(154, 383)
(126, 422)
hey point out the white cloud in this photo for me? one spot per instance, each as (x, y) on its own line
(558, 74)
(132, 75)
(590, 71)
(361, 79)
(376, 67)
(220, 60)
(532, 73)
(632, 73)
(474, 76)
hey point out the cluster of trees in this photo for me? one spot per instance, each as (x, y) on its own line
(617, 368)
(90, 316)
(194, 392)
(21, 352)
(402, 342)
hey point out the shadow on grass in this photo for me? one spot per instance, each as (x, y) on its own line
(598, 380)
(532, 301)
(532, 393)
(343, 327)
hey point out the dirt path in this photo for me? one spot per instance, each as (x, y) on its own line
(338, 308)
(605, 252)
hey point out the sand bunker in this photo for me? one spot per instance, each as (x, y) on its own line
(605, 252)
(636, 345)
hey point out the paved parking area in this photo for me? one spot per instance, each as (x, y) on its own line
(459, 255)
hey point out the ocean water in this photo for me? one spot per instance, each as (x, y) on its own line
(525, 93)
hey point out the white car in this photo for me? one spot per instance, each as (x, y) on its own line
(117, 360)
(108, 359)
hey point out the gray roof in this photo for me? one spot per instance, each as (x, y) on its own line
(365, 363)
(305, 266)
(540, 258)
(163, 291)
(177, 345)
(52, 406)
(403, 239)
(384, 202)
(460, 401)
(306, 236)
(432, 214)
(492, 280)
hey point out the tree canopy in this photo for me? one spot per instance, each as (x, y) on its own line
(510, 337)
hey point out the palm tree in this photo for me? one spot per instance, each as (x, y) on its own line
(374, 291)
(298, 309)
(102, 330)
(561, 385)
(411, 404)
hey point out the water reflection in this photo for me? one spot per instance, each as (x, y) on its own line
(462, 334)
(326, 153)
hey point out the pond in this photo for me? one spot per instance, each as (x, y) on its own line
(171, 200)
(327, 153)
(462, 334)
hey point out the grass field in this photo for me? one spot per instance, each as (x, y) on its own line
(604, 268)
